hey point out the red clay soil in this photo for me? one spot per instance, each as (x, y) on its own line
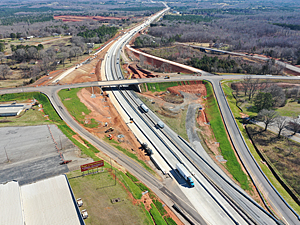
(69, 18)
(103, 111)
(136, 72)
(291, 72)
(195, 87)
(169, 68)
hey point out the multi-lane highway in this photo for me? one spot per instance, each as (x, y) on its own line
(173, 150)
(215, 196)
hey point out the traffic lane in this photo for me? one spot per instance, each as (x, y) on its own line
(260, 180)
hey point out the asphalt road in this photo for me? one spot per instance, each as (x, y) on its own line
(269, 192)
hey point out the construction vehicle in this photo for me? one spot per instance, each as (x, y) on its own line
(110, 136)
(147, 149)
(111, 129)
(185, 174)
(65, 162)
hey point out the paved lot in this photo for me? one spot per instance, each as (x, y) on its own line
(29, 154)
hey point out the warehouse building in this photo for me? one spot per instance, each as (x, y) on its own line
(50, 201)
(11, 109)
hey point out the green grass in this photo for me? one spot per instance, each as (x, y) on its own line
(97, 191)
(291, 109)
(170, 221)
(75, 107)
(133, 178)
(213, 115)
(143, 187)
(31, 117)
(48, 109)
(153, 87)
(148, 215)
(160, 207)
(236, 112)
(135, 190)
(159, 220)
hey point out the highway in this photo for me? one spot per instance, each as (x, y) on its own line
(248, 211)
(229, 204)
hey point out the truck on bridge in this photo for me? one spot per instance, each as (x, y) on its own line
(185, 174)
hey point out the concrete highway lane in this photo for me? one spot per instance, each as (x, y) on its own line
(269, 192)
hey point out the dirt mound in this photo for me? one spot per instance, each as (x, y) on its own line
(137, 72)
(195, 87)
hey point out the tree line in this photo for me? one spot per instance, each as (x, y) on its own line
(255, 33)
(266, 97)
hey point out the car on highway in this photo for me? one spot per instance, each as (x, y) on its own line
(160, 124)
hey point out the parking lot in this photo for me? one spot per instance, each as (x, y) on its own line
(32, 153)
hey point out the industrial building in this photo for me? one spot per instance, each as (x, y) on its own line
(50, 201)
(11, 109)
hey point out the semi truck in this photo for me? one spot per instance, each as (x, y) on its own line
(144, 107)
(185, 174)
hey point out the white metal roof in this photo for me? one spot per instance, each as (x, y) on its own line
(10, 204)
(49, 202)
(11, 108)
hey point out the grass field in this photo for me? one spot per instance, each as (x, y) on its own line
(236, 112)
(76, 108)
(158, 87)
(31, 117)
(292, 108)
(213, 115)
(97, 191)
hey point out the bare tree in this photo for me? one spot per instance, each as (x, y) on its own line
(277, 94)
(77, 51)
(32, 53)
(34, 71)
(2, 56)
(253, 87)
(71, 54)
(250, 86)
(267, 117)
(280, 122)
(62, 56)
(294, 124)
(4, 71)
(20, 55)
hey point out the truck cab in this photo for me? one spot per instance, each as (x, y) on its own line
(190, 181)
